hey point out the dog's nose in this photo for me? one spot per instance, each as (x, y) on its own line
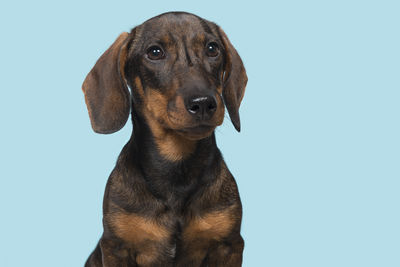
(202, 107)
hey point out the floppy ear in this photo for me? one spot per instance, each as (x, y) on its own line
(106, 94)
(234, 80)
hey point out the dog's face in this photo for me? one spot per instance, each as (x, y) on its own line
(176, 67)
(181, 70)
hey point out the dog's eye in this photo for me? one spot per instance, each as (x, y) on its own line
(212, 49)
(155, 53)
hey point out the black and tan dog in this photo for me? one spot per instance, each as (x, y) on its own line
(170, 200)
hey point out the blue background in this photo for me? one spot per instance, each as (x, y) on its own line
(317, 161)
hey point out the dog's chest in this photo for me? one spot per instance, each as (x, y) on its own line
(135, 228)
(172, 236)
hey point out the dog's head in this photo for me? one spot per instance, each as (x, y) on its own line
(181, 70)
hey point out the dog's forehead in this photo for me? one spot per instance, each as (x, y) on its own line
(177, 24)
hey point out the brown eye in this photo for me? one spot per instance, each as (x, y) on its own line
(212, 49)
(155, 53)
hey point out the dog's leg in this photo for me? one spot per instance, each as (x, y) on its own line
(227, 254)
(149, 254)
(112, 257)
(94, 259)
(193, 259)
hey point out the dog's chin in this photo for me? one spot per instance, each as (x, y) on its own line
(196, 132)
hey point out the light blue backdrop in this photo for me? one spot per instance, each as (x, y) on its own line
(317, 161)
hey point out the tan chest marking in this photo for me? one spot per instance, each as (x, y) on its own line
(214, 225)
(136, 229)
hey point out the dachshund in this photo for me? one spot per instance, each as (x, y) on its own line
(170, 200)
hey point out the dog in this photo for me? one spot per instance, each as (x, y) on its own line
(170, 200)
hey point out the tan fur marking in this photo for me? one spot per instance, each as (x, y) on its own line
(156, 103)
(171, 145)
(219, 114)
(135, 229)
(180, 103)
(214, 225)
(139, 86)
(175, 147)
(147, 256)
(219, 90)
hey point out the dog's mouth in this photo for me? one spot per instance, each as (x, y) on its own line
(197, 132)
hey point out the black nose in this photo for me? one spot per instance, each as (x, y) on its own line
(202, 107)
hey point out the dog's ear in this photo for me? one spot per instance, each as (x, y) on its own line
(106, 94)
(234, 80)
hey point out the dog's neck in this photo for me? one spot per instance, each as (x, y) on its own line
(163, 174)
